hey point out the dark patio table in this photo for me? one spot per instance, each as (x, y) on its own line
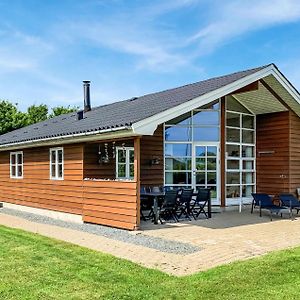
(154, 196)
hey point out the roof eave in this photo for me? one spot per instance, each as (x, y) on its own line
(111, 133)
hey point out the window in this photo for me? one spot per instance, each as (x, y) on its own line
(56, 163)
(125, 163)
(16, 164)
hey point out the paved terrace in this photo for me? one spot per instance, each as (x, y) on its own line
(199, 245)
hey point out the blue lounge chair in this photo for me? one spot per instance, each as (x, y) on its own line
(290, 201)
(264, 201)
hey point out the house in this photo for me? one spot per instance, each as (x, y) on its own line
(235, 134)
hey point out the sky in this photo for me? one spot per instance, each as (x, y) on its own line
(128, 48)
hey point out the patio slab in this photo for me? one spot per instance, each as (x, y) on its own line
(227, 237)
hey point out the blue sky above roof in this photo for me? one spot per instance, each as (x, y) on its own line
(130, 48)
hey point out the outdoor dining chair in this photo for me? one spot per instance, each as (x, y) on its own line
(184, 203)
(168, 209)
(290, 201)
(200, 203)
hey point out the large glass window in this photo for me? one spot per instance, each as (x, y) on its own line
(16, 164)
(240, 150)
(125, 163)
(199, 125)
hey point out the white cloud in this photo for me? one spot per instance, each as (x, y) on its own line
(235, 18)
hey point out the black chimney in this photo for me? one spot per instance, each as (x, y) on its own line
(86, 95)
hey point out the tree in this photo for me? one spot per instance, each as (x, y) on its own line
(10, 117)
(37, 113)
(61, 110)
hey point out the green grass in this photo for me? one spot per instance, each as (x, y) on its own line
(35, 267)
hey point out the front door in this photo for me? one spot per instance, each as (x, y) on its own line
(206, 167)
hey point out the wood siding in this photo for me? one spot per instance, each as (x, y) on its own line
(273, 153)
(294, 152)
(36, 189)
(152, 148)
(111, 203)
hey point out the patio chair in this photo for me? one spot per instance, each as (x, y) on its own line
(201, 201)
(290, 201)
(265, 201)
(184, 203)
(168, 208)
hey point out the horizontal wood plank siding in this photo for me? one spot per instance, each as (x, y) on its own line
(273, 139)
(36, 189)
(151, 148)
(111, 203)
(294, 152)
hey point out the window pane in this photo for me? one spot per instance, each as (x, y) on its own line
(177, 150)
(121, 156)
(20, 160)
(185, 119)
(200, 163)
(131, 156)
(248, 122)
(206, 118)
(212, 151)
(234, 105)
(121, 170)
(200, 178)
(233, 135)
(200, 150)
(213, 192)
(206, 134)
(233, 164)
(178, 163)
(178, 133)
(13, 159)
(211, 178)
(60, 156)
(213, 105)
(60, 171)
(53, 170)
(248, 164)
(247, 190)
(233, 150)
(211, 164)
(178, 177)
(233, 191)
(233, 177)
(248, 136)
(233, 119)
(13, 171)
(247, 151)
(53, 156)
(247, 177)
(131, 170)
(20, 173)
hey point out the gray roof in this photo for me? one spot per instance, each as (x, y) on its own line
(122, 113)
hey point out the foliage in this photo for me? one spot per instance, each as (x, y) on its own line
(12, 118)
(35, 267)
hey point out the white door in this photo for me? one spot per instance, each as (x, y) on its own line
(206, 169)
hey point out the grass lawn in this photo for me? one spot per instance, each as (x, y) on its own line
(35, 267)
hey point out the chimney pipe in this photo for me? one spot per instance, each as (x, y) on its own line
(86, 95)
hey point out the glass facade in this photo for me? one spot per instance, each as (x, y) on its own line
(191, 149)
(240, 150)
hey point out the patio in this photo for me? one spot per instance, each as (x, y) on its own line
(226, 237)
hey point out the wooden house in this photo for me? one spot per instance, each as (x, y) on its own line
(235, 134)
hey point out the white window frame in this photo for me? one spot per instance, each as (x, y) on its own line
(16, 165)
(127, 162)
(56, 163)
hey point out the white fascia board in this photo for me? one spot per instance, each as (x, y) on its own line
(149, 125)
(121, 132)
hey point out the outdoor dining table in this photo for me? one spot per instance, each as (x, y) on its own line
(154, 196)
